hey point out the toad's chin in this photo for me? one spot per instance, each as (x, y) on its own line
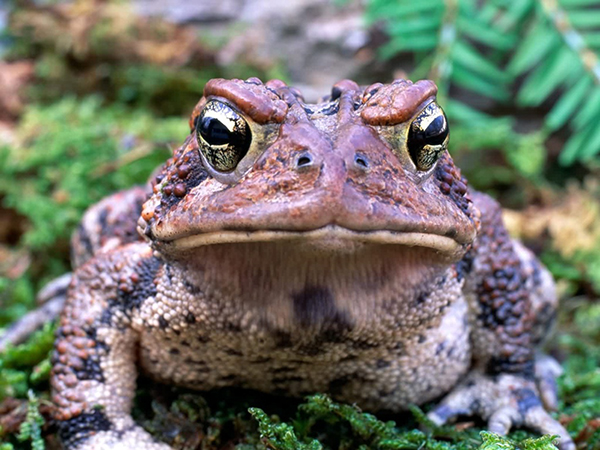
(332, 238)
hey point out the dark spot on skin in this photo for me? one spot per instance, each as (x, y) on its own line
(262, 360)
(526, 399)
(421, 298)
(312, 349)
(386, 393)
(308, 110)
(422, 339)
(203, 339)
(86, 365)
(279, 370)
(162, 323)
(168, 273)
(103, 219)
(173, 192)
(85, 240)
(315, 308)
(233, 327)
(361, 344)
(190, 318)
(174, 351)
(282, 339)
(464, 266)
(451, 352)
(233, 379)
(514, 363)
(185, 344)
(75, 431)
(440, 348)
(127, 300)
(349, 358)
(191, 287)
(382, 363)
(451, 233)
(194, 362)
(233, 352)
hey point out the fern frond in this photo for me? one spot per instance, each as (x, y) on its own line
(568, 69)
(551, 48)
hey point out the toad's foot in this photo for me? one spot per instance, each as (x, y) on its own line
(504, 401)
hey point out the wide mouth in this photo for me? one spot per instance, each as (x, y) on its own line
(332, 237)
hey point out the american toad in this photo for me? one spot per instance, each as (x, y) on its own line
(298, 248)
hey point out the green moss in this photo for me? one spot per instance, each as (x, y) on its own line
(70, 155)
(31, 429)
(26, 365)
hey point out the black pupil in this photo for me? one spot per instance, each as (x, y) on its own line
(214, 132)
(436, 132)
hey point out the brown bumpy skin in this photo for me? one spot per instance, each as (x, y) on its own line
(324, 262)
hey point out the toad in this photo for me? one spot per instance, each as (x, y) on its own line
(296, 248)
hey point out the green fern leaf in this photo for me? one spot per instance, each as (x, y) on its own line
(592, 39)
(462, 113)
(467, 79)
(548, 76)
(536, 45)
(412, 28)
(401, 10)
(570, 152)
(589, 111)
(405, 43)
(586, 18)
(576, 3)
(514, 15)
(466, 55)
(485, 34)
(591, 146)
(565, 107)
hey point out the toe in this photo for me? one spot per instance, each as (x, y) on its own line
(459, 403)
(539, 420)
(547, 370)
(502, 420)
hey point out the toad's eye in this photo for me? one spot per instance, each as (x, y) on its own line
(223, 135)
(427, 136)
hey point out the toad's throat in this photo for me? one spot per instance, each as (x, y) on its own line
(332, 237)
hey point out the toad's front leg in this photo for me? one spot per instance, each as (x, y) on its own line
(94, 373)
(512, 303)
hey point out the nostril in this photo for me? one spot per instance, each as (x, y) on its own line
(361, 161)
(304, 160)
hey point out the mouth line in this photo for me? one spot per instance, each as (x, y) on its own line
(437, 242)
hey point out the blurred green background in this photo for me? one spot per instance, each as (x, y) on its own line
(95, 94)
